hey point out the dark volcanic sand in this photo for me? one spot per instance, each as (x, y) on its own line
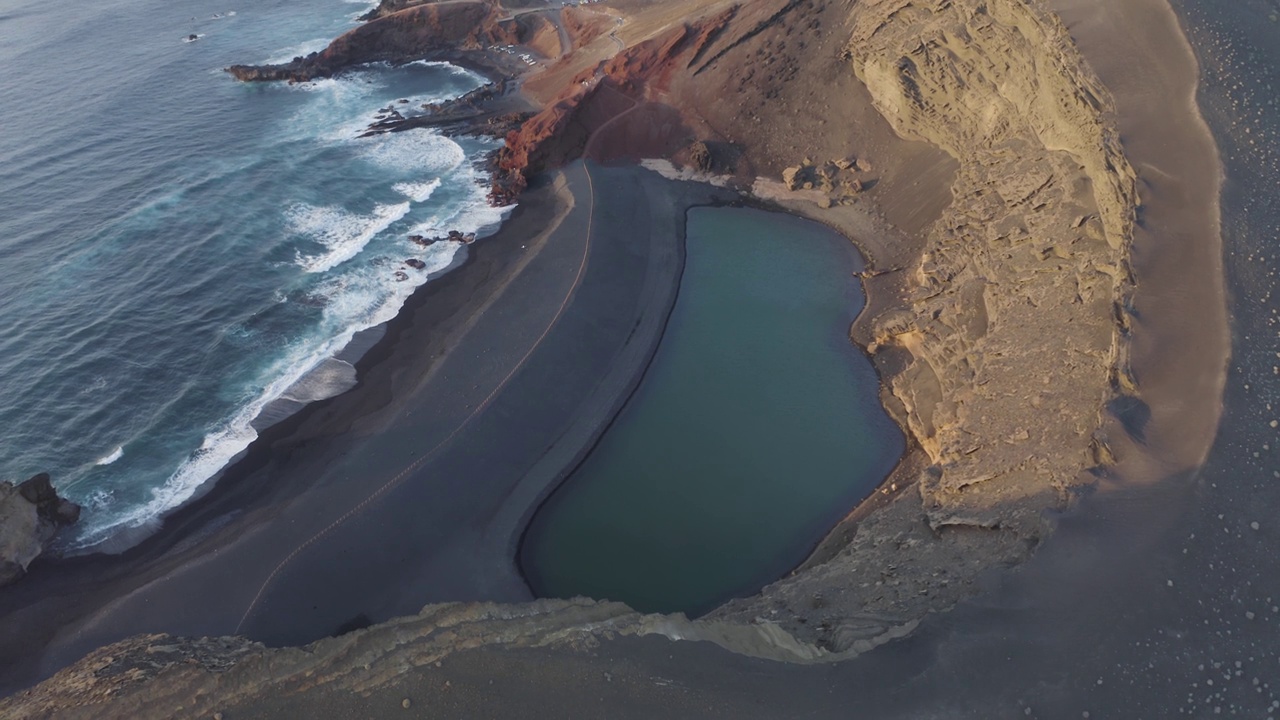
(400, 493)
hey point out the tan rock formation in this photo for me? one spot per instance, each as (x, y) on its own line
(1005, 347)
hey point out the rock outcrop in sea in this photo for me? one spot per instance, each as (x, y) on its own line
(31, 514)
(415, 33)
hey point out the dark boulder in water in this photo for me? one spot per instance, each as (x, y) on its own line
(31, 514)
(415, 263)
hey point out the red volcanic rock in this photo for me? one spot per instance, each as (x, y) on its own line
(648, 62)
(559, 133)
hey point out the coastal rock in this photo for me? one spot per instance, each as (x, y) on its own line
(31, 514)
(414, 33)
(415, 263)
(700, 157)
(795, 177)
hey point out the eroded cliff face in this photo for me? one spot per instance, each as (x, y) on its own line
(1010, 315)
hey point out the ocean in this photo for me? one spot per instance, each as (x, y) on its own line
(184, 257)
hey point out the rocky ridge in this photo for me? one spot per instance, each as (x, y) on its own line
(155, 676)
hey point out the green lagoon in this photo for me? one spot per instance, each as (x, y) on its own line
(756, 428)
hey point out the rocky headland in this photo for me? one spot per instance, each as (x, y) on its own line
(431, 31)
(968, 150)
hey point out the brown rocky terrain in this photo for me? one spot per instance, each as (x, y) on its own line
(967, 149)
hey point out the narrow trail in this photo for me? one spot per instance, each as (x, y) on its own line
(587, 148)
(416, 464)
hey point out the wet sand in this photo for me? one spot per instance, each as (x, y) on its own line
(413, 487)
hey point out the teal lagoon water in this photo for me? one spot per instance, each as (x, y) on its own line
(755, 429)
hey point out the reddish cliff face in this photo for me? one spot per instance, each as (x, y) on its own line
(598, 97)
(413, 33)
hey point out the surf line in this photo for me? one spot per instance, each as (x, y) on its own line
(403, 474)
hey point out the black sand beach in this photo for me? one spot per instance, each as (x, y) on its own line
(413, 487)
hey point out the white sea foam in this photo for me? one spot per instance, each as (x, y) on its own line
(110, 457)
(418, 192)
(301, 49)
(99, 499)
(454, 70)
(471, 216)
(342, 233)
(218, 447)
(413, 151)
(331, 377)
